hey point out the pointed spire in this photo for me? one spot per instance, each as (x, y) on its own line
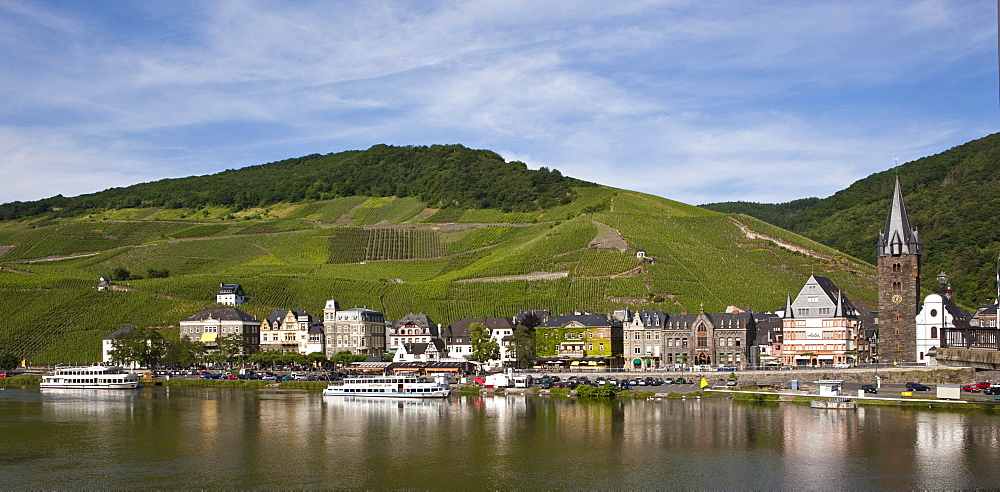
(897, 238)
(788, 305)
(840, 305)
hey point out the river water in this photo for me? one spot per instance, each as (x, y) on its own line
(173, 438)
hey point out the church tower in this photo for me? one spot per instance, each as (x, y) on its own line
(898, 252)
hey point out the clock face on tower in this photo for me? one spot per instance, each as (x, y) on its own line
(897, 299)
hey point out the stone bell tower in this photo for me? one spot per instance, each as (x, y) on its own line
(898, 252)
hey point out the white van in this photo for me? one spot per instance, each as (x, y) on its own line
(522, 381)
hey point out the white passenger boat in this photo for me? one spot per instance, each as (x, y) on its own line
(97, 376)
(389, 386)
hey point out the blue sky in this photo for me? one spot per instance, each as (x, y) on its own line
(690, 100)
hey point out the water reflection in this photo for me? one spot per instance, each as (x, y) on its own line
(195, 438)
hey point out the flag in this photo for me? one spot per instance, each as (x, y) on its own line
(703, 383)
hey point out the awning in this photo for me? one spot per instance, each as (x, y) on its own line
(208, 337)
(825, 357)
(637, 361)
(575, 363)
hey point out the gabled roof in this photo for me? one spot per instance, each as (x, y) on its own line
(836, 295)
(542, 314)
(897, 238)
(653, 318)
(586, 319)
(119, 332)
(721, 321)
(278, 316)
(421, 320)
(230, 289)
(224, 313)
(421, 348)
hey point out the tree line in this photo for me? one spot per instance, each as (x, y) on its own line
(439, 175)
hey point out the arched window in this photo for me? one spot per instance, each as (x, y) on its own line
(933, 332)
(897, 286)
(897, 267)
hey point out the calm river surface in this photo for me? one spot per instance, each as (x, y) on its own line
(238, 439)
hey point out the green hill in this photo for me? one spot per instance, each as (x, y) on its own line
(397, 254)
(952, 198)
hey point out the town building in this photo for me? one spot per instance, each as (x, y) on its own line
(209, 324)
(108, 343)
(433, 351)
(581, 334)
(820, 326)
(291, 331)
(898, 271)
(230, 295)
(768, 340)
(412, 328)
(457, 339)
(708, 339)
(642, 340)
(359, 330)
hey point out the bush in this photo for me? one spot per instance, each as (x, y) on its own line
(601, 391)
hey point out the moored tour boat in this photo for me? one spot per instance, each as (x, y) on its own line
(97, 376)
(388, 386)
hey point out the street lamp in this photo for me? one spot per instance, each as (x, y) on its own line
(943, 280)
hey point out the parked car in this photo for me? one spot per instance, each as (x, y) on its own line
(992, 390)
(731, 382)
(916, 387)
(983, 385)
(287, 378)
(668, 381)
(209, 375)
(841, 365)
(7, 374)
(971, 388)
(869, 388)
(680, 381)
(269, 377)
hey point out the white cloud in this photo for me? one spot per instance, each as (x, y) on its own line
(677, 98)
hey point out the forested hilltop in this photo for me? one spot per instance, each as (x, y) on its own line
(444, 176)
(952, 198)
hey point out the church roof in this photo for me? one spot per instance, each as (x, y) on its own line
(897, 238)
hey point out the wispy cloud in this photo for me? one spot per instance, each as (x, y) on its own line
(694, 101)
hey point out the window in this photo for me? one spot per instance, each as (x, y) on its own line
(934, 313)
(933, 332)
(702, 340)
(897, 267)
(638, 350)
(737, 341)
(897, 286)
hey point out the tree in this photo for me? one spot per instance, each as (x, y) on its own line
(317, 359)
(183, 353)
(144, 347)
(8, 361)
(484, 347)
(524, 340)
(231, 348)
(120, 273)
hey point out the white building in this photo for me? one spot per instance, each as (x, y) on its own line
(937, 311)
(230, 295)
